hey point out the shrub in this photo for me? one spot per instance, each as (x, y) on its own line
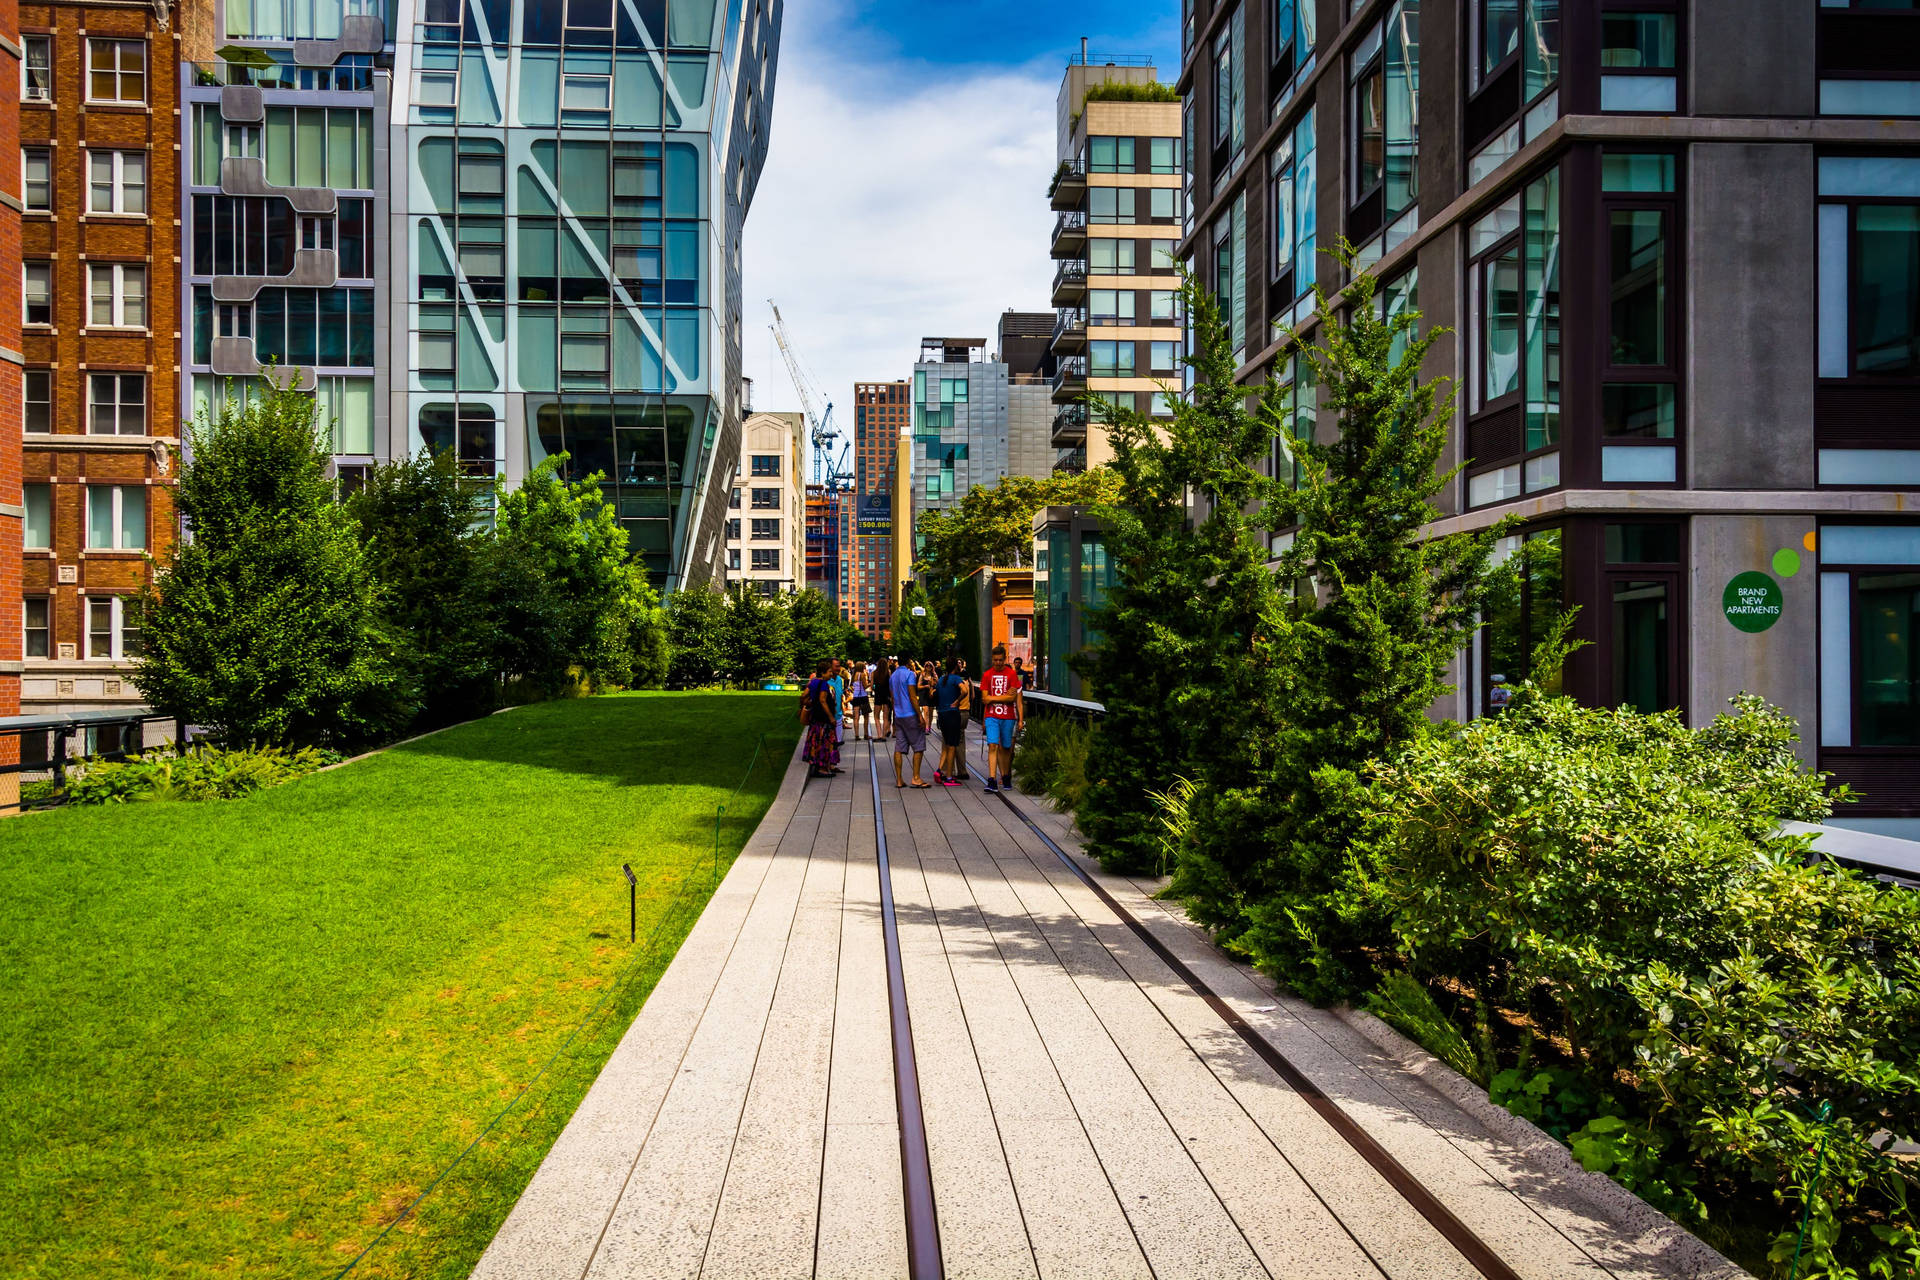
(1121, 92)
(1051, 760)
(1622, 877)
(205, 774)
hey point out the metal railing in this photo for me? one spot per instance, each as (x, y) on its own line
(1071, 221)
(1071, 272)
(1071, 371)
(41, 755)
(1066, 318)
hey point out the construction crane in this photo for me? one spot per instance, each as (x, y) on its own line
(819, 424)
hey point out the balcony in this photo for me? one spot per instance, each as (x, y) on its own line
(1070, 283)
(1070, 381)
(1070, 235)
(1070, 462)
(1069, 185)
(1070, 331)
(1070, 427)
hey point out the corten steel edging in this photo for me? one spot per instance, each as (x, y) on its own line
(916, 1171)
(1423, 1201)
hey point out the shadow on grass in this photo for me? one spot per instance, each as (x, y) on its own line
(659, 739)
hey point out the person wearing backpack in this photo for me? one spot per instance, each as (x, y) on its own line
(820, 712)
(950, 698)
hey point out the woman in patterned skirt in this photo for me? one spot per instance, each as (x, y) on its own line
(823, 748)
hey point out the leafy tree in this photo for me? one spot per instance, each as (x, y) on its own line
(560, 584)
(418, 524)
(993, 523)
(818, 629)
(759, 636)
(917, 637)
(266, 625)
(1348, 670)
(697, 636)
(648, 644)
(1190, 605)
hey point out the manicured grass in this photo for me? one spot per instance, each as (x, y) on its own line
(239, 1038)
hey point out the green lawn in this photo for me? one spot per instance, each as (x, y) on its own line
(239, 1038)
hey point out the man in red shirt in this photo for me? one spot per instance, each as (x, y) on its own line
(1006, 713)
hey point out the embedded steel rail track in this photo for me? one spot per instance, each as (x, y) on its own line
(1475, 1250)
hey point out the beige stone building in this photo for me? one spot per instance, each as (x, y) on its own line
(766, 511)
(1118, 195)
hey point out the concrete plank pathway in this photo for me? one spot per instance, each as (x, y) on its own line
(1088, 1112)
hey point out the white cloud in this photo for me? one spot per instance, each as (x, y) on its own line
(889, 211)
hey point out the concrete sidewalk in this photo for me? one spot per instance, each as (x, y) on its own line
(1087, 1112)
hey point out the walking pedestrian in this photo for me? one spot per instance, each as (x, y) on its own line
(838, 680)
(949, 703)
(883, 695)
(859, 688)
(1006, 714)
(823, 749)
(909, 730)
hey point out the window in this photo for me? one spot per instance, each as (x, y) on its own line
(1163, 155)
(1293, 40)
(733, 498)
(766, 559)
(117, 404)
(1226, 84)
(1869, 636)
(1110, 257)
(39, 627)
(1164, 357)
(1295, 222)
(1521, 610)
(733, 530)
(116, 70)
(36, 69)
(116, 517)
(1110, 359)
(113, 628)
(1498, 29)
(235, 320)
(1111, 204)
(316, 233)
(1164, 304)
(585, 100)
(766, 464)
(38, 535)
(117, 293)
(1869, 244)
(324, 327)
(436, 94)
(116, 182)
(346, 404)
(1637, 59)
(1110, 155)
(36, 179)
(1369, 117)
(1643, 583)
(766, 499)
(38, 400)
(1514, 285)
(1640, 389)
(37, 292)
(1110, 306)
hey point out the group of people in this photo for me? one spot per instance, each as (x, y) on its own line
(900, 697)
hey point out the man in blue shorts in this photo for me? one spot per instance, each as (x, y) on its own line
(909, 732)
(1006, 714)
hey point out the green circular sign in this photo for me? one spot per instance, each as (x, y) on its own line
(1752, 602)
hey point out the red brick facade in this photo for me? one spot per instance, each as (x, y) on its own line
(11, 513)
(112, 111)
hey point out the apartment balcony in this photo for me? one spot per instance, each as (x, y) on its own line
(1070, 283)
(312, 269)
(233, 357)
(1070, 235)
(1070, 462)
(1070, 427)
(1070, 331)
(1070, 380)
(247, 176)
(1069, 184)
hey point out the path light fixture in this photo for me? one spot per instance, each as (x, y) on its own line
(632, 898)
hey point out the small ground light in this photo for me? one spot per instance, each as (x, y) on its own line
(632, 898)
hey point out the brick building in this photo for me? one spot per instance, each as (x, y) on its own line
(100, 250)
(11, 511)
(880, 411)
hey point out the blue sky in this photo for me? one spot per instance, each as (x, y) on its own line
(905, 187)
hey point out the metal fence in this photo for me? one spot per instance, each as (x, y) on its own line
(40, 755)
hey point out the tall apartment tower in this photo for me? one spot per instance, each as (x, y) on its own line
(1118, 194)
(99, 340)
(1675, 248)
(880, 413)
(768, 506)
(522, 240)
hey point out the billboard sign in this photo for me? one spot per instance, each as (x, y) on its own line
(874, 516)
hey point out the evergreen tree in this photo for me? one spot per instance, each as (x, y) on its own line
(917, 637)
(1191, 601)
(697, 636)
(266, 624)
(418, 523)
(1349, 672)
(759, 636)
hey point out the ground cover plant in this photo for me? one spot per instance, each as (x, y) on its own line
(205, 773)
(240, 1038)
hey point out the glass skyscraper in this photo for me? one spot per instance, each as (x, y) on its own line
(523, 240)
